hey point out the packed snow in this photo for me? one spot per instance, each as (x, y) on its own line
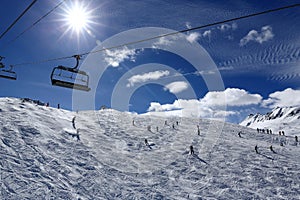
(102, 155)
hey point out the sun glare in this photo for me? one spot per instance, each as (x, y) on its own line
(77, 17)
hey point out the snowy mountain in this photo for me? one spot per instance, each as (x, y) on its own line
(42, 158)
(285, 119)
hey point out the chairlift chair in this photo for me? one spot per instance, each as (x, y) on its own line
(8, 73)
(70, 77)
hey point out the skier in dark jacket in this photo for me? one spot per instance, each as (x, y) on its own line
(256, 149)
(192, 150)
(271, 148)
(73, 122)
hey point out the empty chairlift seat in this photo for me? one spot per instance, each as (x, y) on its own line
(70, 77)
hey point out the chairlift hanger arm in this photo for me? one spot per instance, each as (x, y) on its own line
(77, 61)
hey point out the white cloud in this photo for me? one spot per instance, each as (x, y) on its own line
(157, 107)
(207, 33)
(165, 41)
(115, 57)
(176, 87)
(266, 34)
(141, 78)
(287, 97)
(193, 37)
(231, 97)
(188, 25)
(227, 27)
(212, 105)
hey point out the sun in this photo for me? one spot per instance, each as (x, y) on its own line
(77, 18)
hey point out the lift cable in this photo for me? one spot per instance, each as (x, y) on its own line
(164, 35)
(33, 2)
(35, 23)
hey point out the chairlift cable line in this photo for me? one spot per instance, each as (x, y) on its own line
(36, 22)
(16, 20)
(166, 35)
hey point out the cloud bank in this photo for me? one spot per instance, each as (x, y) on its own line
(223, 104)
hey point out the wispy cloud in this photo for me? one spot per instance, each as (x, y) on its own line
(176, 87)
(264, 35)
(141, 78)
(115, 57)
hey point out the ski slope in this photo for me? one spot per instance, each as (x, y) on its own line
(41, 158)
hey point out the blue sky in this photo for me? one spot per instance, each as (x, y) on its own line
(257, 58)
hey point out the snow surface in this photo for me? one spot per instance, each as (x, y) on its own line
(285, 119)
(40, 157)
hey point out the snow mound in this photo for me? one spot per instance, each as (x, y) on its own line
(41, 159)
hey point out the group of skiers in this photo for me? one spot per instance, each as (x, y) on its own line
(271, 148)
(268, 131)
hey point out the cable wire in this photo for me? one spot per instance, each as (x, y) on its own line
(35, 23)
(165, 35)
(33, 2)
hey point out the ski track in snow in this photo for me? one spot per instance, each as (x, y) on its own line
(41, 160)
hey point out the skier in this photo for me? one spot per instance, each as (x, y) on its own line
(296, 138)
(177, 123)
(157, 129)
(239, 134)
(256, 149)
(173, 126)
(58, 106)
(198, 131)
(191, 150)
(257, 130)
(282, 132)
(73, 122)
(146, 142)
(77, 135)
(271, 148)
(133, 123)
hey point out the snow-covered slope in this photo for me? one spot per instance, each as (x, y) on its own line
(40, 157)
(285, 119)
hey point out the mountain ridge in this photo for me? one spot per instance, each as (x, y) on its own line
(285, 119)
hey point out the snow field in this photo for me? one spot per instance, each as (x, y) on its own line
(40, 159)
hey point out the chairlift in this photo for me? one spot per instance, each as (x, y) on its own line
(8, 73)
(70, 77)
(1, 64)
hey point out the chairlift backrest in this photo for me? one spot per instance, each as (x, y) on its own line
(8, 73)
